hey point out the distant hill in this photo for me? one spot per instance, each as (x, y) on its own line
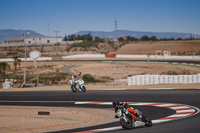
(137, 34)
(11, 33)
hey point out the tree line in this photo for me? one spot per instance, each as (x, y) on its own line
(74, 37)
(88, 37)
(152, 38)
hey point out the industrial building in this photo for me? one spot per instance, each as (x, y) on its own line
(34, 40)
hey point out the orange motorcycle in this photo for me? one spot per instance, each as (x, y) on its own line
(128, 120)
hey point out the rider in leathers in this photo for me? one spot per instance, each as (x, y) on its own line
(117, 104)
(74, 76)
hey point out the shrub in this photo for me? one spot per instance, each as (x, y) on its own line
(85, 44)
(88, 78)
(11, 53)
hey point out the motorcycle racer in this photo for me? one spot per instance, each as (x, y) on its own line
(74, 76)
(117, 104)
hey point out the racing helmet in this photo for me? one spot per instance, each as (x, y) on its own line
(116, 102)
(75, 75)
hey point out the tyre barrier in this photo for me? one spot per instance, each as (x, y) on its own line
(163, 79)
(43, 113)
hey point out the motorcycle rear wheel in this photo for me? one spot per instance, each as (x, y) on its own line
(126, 125)
(73, 88)
(148, 122)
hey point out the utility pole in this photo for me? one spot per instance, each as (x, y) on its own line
(148, 57)
(115, 33)
(25, 41)
(56, 31)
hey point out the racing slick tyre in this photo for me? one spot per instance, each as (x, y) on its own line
(72, 88)
(83, 89)
(126, 125)
(148, 122)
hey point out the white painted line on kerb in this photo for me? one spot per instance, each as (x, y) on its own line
(140, 103)
(110, 128)
(181, 107)
(160, 121)
(179, 115)
(160, 88)
(165, 105)
(181, 111)
(106, 103)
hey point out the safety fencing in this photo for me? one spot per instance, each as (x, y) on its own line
(163, 79)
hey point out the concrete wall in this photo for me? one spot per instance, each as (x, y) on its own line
(85, 56)
(158, 57)
(27, 59)
(133, 56)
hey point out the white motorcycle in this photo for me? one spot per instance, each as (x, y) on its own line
(78, 86)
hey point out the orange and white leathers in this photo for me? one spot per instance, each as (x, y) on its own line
(132, 111)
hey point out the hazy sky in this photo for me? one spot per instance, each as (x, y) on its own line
(71, 16)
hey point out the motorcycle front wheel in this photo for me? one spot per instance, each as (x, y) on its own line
(83, 89)
(125, 124)
(73, 88)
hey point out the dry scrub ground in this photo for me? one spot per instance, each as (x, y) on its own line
(150, 47)
(20, 119)
(105, 70)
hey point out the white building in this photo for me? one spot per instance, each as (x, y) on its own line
(43, 40)
(34, 40)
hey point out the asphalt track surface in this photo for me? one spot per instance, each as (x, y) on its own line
(67, 99)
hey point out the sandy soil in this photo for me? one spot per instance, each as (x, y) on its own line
(109, 70)
(15, 119)
(150, 47)
(105, 71)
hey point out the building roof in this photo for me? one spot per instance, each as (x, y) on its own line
(45, 37)
(13, 39)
